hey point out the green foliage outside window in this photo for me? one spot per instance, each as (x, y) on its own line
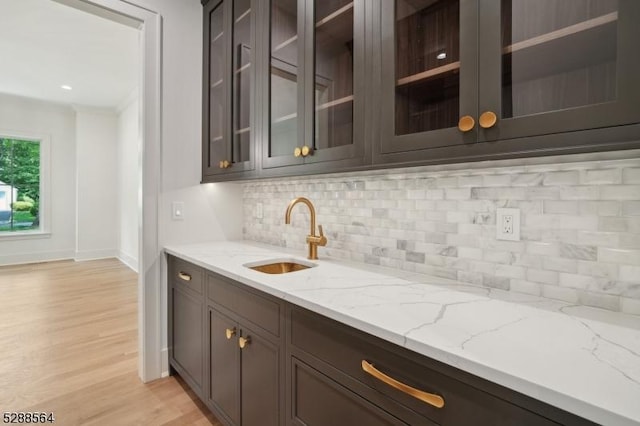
(20, 171)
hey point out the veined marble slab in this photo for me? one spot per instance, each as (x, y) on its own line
(580, 359)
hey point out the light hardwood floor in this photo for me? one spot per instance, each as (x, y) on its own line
(68, 345)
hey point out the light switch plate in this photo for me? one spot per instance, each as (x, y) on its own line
(177, 210)
(508, 224)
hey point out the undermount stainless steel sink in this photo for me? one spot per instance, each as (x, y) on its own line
(279, 266)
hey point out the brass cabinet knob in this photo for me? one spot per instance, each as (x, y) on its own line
(226, 164)
(244, 341)
(297, 152)
(221, 164)
(306, 151)
(488, 119)
(466, 123)
(230, 332)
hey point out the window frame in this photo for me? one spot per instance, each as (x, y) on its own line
(44, 231)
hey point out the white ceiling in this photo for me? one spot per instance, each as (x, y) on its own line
(45, 44)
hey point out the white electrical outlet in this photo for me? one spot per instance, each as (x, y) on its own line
(177, 210)
(508, 224)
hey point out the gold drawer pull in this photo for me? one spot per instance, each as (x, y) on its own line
(184, 276)
(430, 398)
(230, 332)
(297, 152)
(243, 342)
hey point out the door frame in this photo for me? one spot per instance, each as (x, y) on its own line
(150, 259)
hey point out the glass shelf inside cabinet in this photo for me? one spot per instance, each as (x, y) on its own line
(564, 57)
(427, 65)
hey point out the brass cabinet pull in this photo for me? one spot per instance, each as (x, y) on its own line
(297, 152)
(221, 164)
(244, 341)
(184, 276)
(488, 119)
(466, 123)
(306, 151)
(230, 332)
(225, 164)
(430, 398)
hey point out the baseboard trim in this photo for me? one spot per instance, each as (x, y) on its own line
(95, 254)
(130, 261)
(52, 256)
(164, 360)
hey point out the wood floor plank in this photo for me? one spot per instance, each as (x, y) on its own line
(69, 346)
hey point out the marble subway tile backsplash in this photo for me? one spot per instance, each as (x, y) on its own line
(580, 225)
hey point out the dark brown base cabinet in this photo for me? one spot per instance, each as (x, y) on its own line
(186, 322)
(263, 361)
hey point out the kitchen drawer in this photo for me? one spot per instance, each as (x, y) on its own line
(259, 309)
(185, 275)
(321, 401)
(466, 398)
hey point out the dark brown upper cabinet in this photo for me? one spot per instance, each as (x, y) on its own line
(313, 96)
(228, 97)
(474, 79)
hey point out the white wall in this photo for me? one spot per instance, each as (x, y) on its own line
(96, 180)
(128, 181)
(27, 116)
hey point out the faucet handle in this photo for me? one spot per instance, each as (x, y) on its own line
(322, 239)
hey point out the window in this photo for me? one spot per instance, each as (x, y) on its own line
(20, 185)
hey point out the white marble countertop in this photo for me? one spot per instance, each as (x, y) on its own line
(583, 360)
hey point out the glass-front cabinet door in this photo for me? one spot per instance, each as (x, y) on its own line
(315, 105)
(556, 66)
(429, 69)
(459, 72)
(228, 122)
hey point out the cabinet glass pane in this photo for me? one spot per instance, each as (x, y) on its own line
(241, 99)
(427, 65)
(557, 54)
(216, 91)
(284, 77)
(333, 73)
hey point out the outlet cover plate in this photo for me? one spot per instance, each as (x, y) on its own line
(508, 224)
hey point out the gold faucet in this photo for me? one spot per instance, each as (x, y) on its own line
(312, 239)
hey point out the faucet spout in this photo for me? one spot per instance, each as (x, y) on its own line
(312, 239)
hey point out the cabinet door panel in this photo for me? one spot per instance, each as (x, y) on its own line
(285, 95)
(243, 63)
(335, 99)
(428, 77)
(224, 366)
(563, 66)
(229, 75)
(215, 133)
(260, 382)
(319, 401)
(186, 323)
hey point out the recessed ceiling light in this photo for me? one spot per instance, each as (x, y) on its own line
(66, 87)
(441, 55)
